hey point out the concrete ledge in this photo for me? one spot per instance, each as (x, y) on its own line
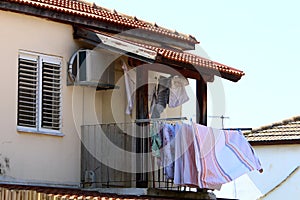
(156, 193)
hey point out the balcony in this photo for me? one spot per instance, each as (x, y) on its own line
(110, 162)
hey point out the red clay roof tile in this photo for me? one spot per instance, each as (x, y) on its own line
(197, 61)
(287, 130)
(70, 193)
(98, 13)
(180, 58)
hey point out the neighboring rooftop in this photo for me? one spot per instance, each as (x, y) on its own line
(284, 132)
(7, 191)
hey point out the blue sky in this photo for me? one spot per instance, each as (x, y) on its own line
(262, 38)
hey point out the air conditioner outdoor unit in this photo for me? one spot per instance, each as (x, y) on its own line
(93, 68)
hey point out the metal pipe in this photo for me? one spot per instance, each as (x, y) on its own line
(160, 119)
(70, 66)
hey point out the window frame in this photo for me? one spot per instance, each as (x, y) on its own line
(40, 58)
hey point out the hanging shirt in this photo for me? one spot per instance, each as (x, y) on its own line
(129, 77)
(168, 150)
(178, 95)
(159, 103)
(156, 140)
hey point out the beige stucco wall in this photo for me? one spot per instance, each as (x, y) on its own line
(34, 157)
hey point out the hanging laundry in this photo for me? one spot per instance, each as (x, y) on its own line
(168, 150)
(198, 156)
(129, 77)
(152, 85)
(160, 102)
(185, 170)
(221, 156)
(156, 140)
(178, 95)
(210, 173)
(153, 101)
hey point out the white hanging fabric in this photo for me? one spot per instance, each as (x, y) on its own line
(130, 87)
(178, 95)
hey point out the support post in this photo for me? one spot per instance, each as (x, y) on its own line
(142, 128)
(201, 94)
(201, 105)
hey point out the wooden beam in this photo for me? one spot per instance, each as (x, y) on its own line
(201, 70)
(98, 40)
(172, 70)
(142, 128)
(201, 104)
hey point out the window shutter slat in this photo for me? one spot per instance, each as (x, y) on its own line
(51, 96)
(27, 90)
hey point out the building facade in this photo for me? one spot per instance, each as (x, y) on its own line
(48, 112)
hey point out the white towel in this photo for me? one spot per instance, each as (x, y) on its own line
(178, 95)
(185, 170)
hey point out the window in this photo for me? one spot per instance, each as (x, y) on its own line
(39, 94)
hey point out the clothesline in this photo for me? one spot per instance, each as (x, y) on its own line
(165, 91)
(160, 119)
(239, 129)
(196, 155)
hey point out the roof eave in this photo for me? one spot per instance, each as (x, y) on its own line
(185, 66)
(202, 70)
(109, 26)
(274, 142)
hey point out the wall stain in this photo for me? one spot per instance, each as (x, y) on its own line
(4, 164)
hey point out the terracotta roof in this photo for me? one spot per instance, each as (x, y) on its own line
(197, 61)
(68, 193)
(97, 13)
(286, 131)
(47, 192)
(175, 56)
(92, 11)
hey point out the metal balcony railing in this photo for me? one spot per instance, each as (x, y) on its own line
(109, 158)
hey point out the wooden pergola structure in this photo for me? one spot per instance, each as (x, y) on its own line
(144, 56)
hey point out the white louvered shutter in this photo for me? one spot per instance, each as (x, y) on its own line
(39, 93)
(51, 96)
(27, 92)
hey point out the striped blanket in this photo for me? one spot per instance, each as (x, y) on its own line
(218, 156)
